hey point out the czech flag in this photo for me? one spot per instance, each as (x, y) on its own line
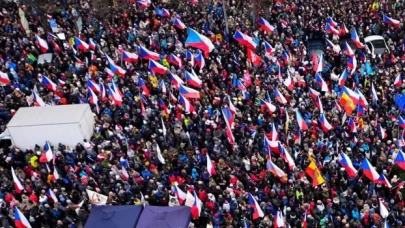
(382, 132)
(51, 194)
(279, 220)
(38, 102)
(331, 22)
(383, 180)
(398, 80)
(285, 57)
(199, 59)
(352, 63)
(343, 78)
(92, 44)
(288, 82)
(356, 39)
(326, 126)
(348, 165)
(20, 221)
(269, 49)
(401, 122)
(48, 83)
(4, 79)
(337, 106)
(196, 207)
(362, 99)
(336, 48)
(143, 4)
(400, 160)
(265, 25)
(175, 60)
(129, 57)
(348, 99)
(143, 86)
(115, 68)
(253, 58)
(273, 134)
(331, 29)
(314, 94)
(231, 138)
(352, 126)
(257, 211)
(17, 184)
(245, 40)
(181, 196)
(48, 151)
(164, 107)
(301, 122)
(369, 171)
(179, 24)
(93, 86)
(175, 80)
(269, 106)
(274, 169)
(287, 157)
(162, 12)
(81, 45)
(321, 63)
(93, 99)
(374, 97)
(116, 97)
(188, 92)
(187, 105)
(42, 44)
(297, 137)
(228, 115)
(390, 21)
(157, 68)
(196, 40)
(144, 53)
(321, 83)
(343, 30)
(190, 57)
(193, 80)
(61, 82)
(210, 166)
(348, 50)
(279, 97)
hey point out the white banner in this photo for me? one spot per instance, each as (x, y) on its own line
(96, 198)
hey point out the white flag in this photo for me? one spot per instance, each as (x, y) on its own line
(159, 154)
(189, 200)
(163, 127)
(383, 210)
(96, 198)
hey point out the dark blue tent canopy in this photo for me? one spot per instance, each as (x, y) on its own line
(168, 217)
(114, 217)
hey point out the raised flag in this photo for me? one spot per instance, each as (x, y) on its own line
(196, 40)
(245, 40)
(257, 211)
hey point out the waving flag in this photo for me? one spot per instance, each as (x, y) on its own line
(143, 4)
(390, 21)
(17, 184)
(93, 86)
(38, 102)
(279, 220)
(335, 48)
(383, 180)
(343, 30)
(190, 57)
(400, 160)
(331, 22)
(188, 92)
(279, 97)
(188, 107)
(115, 96)
(210, 167)
(245, 40)
(175, 80)
(179, 24)
(348, 99)
(314, 94)
(143, 86)
(80, 44)
(157, 68)
(92, 44)
(348, 165)
(51, 194)
(253, 57)
(175, 60)
(383, 210)
(381, 132)
(257, 211)
(301, 122)
(193, 80)
(265, 25)
(48, 83)
(162, 12)
(159, 154)
(42, 44)
(369, 171)
(4, 79)
(200, 61)
(268, 105)
(313, 171)
(196, 40)
(348, 50)
(374, 96)
(297, 137)
(115, 68)
(287, 157)
(228, 120)
(326, 126)
(356, 39)
(93, 99)
(48, 151)
(129, 57)
(331, 29)
(401, 122)
(343, 78)
(352, 64)
(362, 99)
(269, 49)
(398, 80)
(181, 196)
(321, 83)
(320, 64)
(144, 53)
(20, 221)
(285, 57)
(288, 82)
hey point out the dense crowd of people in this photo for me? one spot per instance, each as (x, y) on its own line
(278, 92)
